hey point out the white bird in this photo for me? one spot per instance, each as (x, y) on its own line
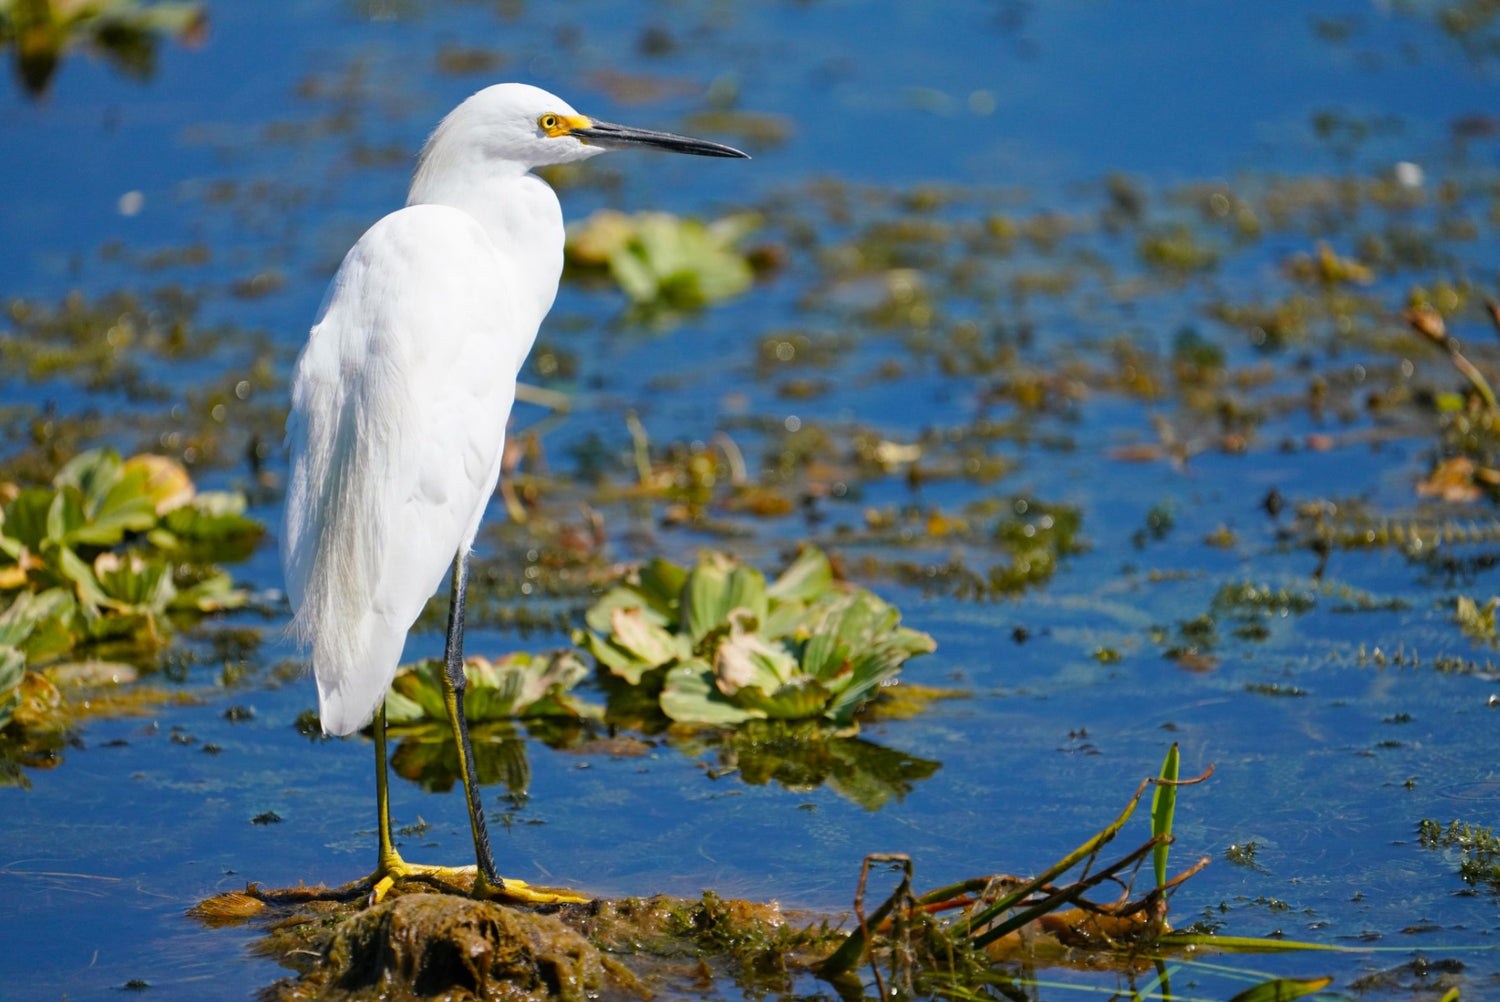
(400, 401)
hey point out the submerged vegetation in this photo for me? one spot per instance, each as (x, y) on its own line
(1477, 847)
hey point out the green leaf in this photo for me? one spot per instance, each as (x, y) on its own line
(24, 521)
(214, 593)
(1163, 806)
(56, 633)
(913, 642)
(1282, 989)
(419, 685)
(859, 685)
(808, 578)
(746, 589)
(536, 684)
(30, 610)
(633, 274)
(401, 708)
(824, 655)
(128, 506)
(485, 703)
(616, 660)
(65, 515)
(705, 598)
(75, 520)
(92, 473)
(803, 698)
(12, 669)
(782, 619)
(26, 518)
(661, 586)
(134, 582)
(520, 684)
(689, 696)
(622, 597)
(661, 260)
(90, 595)
(99, 500)
(770, 650)
(649, 643)
(216, 519)
(1243, 944)
(743, 660)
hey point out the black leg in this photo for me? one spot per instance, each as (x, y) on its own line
(453, 697)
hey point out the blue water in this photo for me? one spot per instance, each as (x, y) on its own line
(1025, 107)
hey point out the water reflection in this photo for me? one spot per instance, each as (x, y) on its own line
(804, 755)
(800, 756)
(125, 32)
(427, 755)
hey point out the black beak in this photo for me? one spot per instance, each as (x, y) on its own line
(608, 136)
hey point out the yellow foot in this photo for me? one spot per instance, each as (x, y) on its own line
(520, 892)
(462, 879)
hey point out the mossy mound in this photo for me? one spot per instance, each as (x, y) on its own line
(442, 946)
(431, 945)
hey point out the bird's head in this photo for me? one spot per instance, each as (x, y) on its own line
(516, 126)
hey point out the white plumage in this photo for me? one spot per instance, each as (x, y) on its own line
(396, 449)
(401, 397)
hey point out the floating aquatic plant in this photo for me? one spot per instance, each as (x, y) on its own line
(665, 261)
(1477, 846)
(537, 692)
(112, 550)
(1476, 621)
(125, 32)
(1034, 536)
(725, 647)
(519, 685)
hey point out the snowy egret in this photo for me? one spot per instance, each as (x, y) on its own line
(399, 406)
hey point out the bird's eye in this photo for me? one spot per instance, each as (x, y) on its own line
(547, 122)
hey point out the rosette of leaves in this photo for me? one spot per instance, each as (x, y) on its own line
(111, 551)
(666, 261)
(725, 647)
(518, 685)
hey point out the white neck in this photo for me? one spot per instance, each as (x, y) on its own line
(518, 210)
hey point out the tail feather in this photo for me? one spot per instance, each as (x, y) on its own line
(353, 680)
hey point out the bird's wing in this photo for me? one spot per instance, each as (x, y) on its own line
(399, 406)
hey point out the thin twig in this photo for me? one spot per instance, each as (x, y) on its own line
(901, 893)
(641, 446)
(1429, 323)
